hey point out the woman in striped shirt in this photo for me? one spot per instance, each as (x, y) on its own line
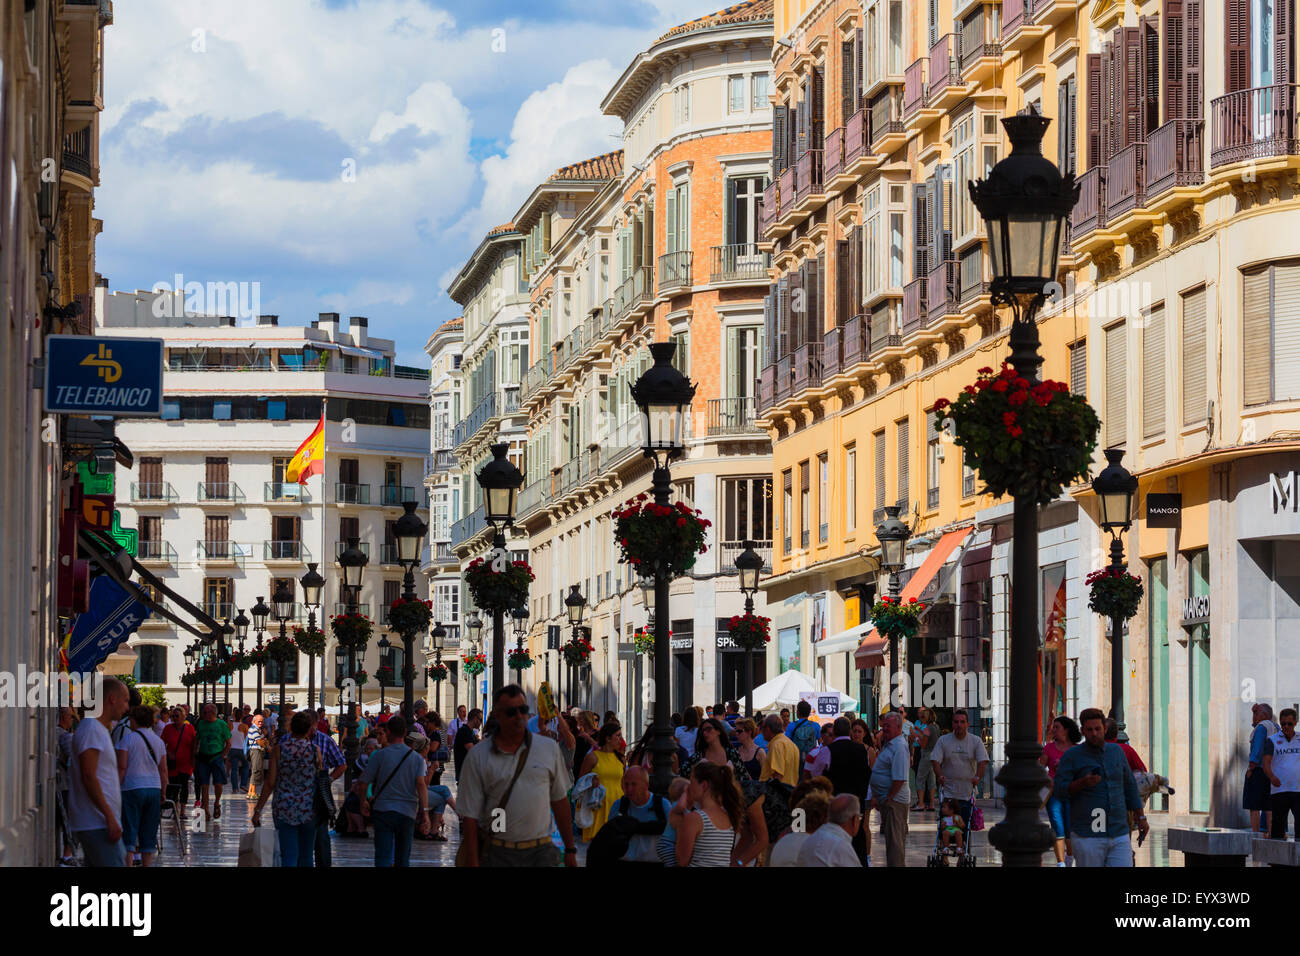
(708, 816)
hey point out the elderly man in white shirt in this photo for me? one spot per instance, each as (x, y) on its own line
(832, 844)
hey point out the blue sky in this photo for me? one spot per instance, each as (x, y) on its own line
(230, 126)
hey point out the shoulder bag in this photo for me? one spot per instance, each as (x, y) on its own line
(462, 851)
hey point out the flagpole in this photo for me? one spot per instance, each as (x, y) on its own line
(325, 562)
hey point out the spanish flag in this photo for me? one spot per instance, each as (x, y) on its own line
(309, 459)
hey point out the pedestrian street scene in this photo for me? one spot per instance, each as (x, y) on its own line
(806, 433)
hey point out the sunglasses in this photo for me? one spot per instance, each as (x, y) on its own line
(520, 711)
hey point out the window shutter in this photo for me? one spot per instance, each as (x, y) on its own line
(734, 234)
(921, 216)
(1129, 73)
(1108, 105)
(792, 134)
(1172, 27)
(1286, 330)
(818, 126)
(1116, 401)
(769, 324)
(1062, 127)
(1256, 337)
(860, 54)
(1094, 109)
(880, 469)
(1148, 77)
(1079, 368)
(814, 325)
(1072, 121)
(798, 304)
(805, 115)
(778, 139)
(904, 461)
(546, 235)
(782, 346)
(934, 22)
(855, 271)
(1236, 45)
(648, 229)
(1193, 58)
(1193, 339)
(848, 56)
(843, 269)
(1283, 41)
(670, 219)
(1153, 373)
(733, 343)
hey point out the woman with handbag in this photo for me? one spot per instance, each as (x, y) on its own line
(291, 776)
(179, 738)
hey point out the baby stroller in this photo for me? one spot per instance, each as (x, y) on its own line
(964, 856)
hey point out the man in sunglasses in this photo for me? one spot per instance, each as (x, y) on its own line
(510, 786)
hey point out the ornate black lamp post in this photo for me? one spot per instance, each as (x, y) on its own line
(313, 585)
(282, 609)
(1024, 203)
(575, 603)
(474, 624)
(260, 611)
(340, 675)
(500, 481)
(664, 396)
(749, 563)
(893, 535)
(410, 532)
(1115, 488)
(223, 654)
(352, 564)
(385, 670)
(439, 634)
(520, 616)
(241, 635)
(188, 654)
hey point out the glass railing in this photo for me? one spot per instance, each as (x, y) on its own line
(161, 491)
(396, 494)
(350, 494)
(285, 491)
(285, 551)
(220, 491)
(155, 551)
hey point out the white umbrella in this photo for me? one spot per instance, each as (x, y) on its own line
(788, 688)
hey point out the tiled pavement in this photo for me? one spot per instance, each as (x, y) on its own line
(216, 843)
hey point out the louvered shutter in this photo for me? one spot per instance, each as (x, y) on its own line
(817, 130)
(855, 271)
(648, 227)
(1109, 107)
(1286, 331)
(816, 307)
(1193, 345)
(1153, 373)
(921, 218)
(546, 235)
(1172, 27)
(904, 461)
(798, 308)
(1193, 58)
(670, 220)
(1256, 337)
(1072, 123)
(1148, 77)
(1236, 45)
(1062, 127)
(782, 346)
(1079, 368)
(769, 325)
(792, 136)
(843, 270)
(778, 139)
(1283, 42)
(638, 242)
(1095, 89)
(934, 22)
(805, 116)
(880, 469)
(1129, 64)
(848, 56)
(859, 68)
(1116, 401)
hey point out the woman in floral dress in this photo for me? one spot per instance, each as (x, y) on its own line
(292, 778)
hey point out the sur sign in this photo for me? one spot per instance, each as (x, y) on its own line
(95, 375)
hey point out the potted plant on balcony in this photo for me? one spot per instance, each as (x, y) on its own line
(436, 672)
(410, 616)
(669, 537)
(577, 651)
(894, 616)
(494, 590)
(519, 660)
(310, 640)
(474, 664)
(1114, 592)
(351, 630)
(1022, 439)
(750, 632)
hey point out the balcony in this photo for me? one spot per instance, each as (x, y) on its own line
(439, 463)
(388, 554)
(636, 291)
(914, 88)
(534, 379)
(155, 552)
(887, 130)
(362, 546)
(810, 182)
(1174, 157)
(284, 491)
(855, 346)
(785, 187)
(768, 205)
(942, 291)
(1126, 181)
(1022, 23)
(882, 341)
(674, 271)
(914, 312)
(981, 49)
(469, 426)
(292, 552)
(1090, 212)
(343, 608)
(945, 86)
(393, 496)
(218, 610)
(221, 552)
(740, 262)
(831, 352)
(77, 155)
(729, 550)
(468, 527)
(732, 416)
(1259, 123)
(220, 492)
(857, 143)
(346, 493)
(834, 159)
(806, 371)
(156, 492)
(766, 387)
(784, 376)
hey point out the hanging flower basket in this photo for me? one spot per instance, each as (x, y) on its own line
(281, 649)
(384, 675)
(188, 680)
(498, 591)
(310, 641)
(895, 617)
(241, 661)
(750, 631)
(352, 630)
(577, 651)
(410, 617)
(1114, 593)
(1022, 439)
(436, 672)
(475, 664)
(226, 668)
(669, 537)
(257, 657)
(361, 678)
(643, 641)
(519, 660)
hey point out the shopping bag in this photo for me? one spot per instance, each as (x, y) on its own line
(259, 847)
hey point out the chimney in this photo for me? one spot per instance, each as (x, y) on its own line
(329, 322)
(357, 326)
(268, 320)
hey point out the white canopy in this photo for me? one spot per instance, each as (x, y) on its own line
(787, 688)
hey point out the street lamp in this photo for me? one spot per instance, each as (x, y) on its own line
(500, 481)
(575, 603)
(352, 564)
(648, 595)
(260, 613)
(1115, 488)
(439, 634)
(385, 663)
(749, 564)
(892, 535)
(409, 531)
(520, 616)
(188, 654)
(223, 654)
(282, 609)
(1024, 203)
(313, 584)
(474, 624)
(663, 394)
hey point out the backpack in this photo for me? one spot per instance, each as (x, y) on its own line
(805, 735)
(611, 842)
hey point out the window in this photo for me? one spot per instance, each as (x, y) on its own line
(677, 221)
(221, 411)
(805, 505)
(895, 37)
(746, 510)
(758, 91)
(743, 350)
(1079, 368)
(682, 104)
(1193, 345)
(904, 448)
(896, 249)
(963, 151)
(151, 664)
(171, 410)
(217, 595)
(823, 498)
(1271, 333)
(880, 468)
(967, 477)
(682, 355)
(1115, 398)
(787, 506)
(872, 253)
(743, 195)
(933, 459)
(850, 489)
(735, 94)
(1153, 373)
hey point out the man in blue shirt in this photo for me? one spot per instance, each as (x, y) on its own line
(1255, 796)
(1095, 779)
(641, 807)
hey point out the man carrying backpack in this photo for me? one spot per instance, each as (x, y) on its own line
(634, 827)
(804, 732)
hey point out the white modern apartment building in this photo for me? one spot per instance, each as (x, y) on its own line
(217, 521)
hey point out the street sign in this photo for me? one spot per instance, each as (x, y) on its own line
(94, 375)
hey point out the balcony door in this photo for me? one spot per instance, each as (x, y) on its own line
(286, 532)
(151, 478)
(744, 346)
(743, 196)
(216, 536)
(217, 476)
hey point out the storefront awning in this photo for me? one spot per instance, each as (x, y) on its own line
(844, 641)
(869, 653)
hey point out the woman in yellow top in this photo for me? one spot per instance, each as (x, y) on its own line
(606, 762)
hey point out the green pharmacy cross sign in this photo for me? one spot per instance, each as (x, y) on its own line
(93, 483)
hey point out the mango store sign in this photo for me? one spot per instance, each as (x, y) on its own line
(1285, 492)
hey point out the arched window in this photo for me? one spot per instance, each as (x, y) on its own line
(151, 664)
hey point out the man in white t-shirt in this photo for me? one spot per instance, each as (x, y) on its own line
(1281, 759)
(959, 760)
(95, 795)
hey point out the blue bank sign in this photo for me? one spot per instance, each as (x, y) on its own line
(93, 375)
